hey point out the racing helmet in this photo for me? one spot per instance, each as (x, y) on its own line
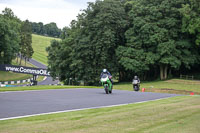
(135, 77)
(104, 70)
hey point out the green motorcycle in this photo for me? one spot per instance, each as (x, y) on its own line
(105, 81)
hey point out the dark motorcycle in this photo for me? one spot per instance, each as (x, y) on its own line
(136, 85)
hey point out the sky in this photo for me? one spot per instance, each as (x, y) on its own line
(62, 12)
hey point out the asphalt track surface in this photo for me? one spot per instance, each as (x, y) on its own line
(48, 80)
(25, 103)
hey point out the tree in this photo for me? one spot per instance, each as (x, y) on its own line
(35, 27)
(92, 40)
(60, 55)
(8, 13)
(155, 38)
(102, 27)
(50, 29)
(60, 59)
(9, 36)
(53, 58)
(26, 49)
(191, 19)
(127, 37)
(64, 33)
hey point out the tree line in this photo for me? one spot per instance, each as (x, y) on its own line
(151, 39)
(50, 29)
(15, 38)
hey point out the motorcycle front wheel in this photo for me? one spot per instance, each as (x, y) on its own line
(106, 89)
(135, 88)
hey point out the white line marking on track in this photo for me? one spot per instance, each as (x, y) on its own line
(9, 118)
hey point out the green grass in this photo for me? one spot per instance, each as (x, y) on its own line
(14, 62)
(41, 87)
(10, 76)
(170, 86)
(39, 44)
(177, 114)
(40, 78)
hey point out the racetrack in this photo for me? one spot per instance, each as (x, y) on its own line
(48, 80)
(24, 103)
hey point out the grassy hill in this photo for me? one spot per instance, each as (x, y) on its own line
(39, 44)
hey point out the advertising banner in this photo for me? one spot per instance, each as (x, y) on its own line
(25, 70)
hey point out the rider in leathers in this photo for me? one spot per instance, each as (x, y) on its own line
(105, 71)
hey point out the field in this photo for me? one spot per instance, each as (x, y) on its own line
(178, 114)
(39, 44)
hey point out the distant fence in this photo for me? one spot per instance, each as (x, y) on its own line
(187, 77)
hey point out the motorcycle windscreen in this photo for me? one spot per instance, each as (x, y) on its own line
(104, 76)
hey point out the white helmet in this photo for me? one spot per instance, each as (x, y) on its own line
(104, 70)
(135, 77)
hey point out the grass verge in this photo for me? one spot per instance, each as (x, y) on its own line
(41, 87)
(177, 114)
(39, 44)
(11, 76)
(27, 64)
(176, 86)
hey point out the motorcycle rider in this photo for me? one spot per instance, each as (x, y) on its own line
(137, 81)
(136, 78)
(105, 71)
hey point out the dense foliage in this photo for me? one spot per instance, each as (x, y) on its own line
(15, 37)
(149, 38)
(26, 50)
(50, 29)
(9, 36)
(90, 43)
(154, 38)
(191, 19)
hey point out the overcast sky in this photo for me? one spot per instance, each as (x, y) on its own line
(62, 12)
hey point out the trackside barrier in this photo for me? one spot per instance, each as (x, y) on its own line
(187, 77)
